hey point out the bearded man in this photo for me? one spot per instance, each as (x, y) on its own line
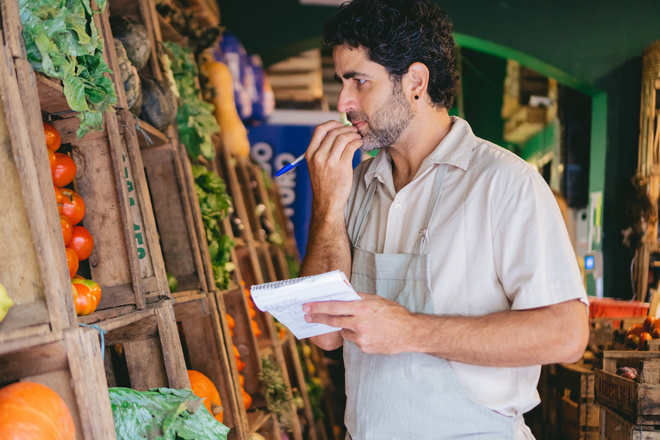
(456, 246)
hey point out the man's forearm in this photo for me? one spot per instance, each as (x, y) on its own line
(557, 333)
(328, 249)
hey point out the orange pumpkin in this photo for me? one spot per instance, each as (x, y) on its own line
(204, 389)
(31, 411)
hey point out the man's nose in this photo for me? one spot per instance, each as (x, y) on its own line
(345, 102)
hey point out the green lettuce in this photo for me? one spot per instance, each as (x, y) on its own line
(63, 42)
(194, 116)
(214, 204)
(163, 414)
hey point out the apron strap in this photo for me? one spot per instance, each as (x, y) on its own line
(364, 210)
(440, 175)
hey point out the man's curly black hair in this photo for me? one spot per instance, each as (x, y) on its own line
(397, 33)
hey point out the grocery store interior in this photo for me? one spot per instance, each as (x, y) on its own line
(163, 124)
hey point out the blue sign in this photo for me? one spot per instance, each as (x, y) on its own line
(277, 143)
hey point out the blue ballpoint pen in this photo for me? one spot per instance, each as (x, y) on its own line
(298, 160)
(290, 166)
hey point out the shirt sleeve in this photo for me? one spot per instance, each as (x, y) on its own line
(535, 260)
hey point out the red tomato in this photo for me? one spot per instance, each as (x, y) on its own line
(53, 139)
(73, 206)
(52, 159)
(65, 170)
(67, 228)
(81, 242)
(84, 300)
(59, 199)
(93, 287)
(72, 261)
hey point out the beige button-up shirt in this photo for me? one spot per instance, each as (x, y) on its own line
(497, 242)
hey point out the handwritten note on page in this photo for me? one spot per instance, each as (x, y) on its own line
(284, 300)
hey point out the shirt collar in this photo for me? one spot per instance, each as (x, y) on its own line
(455, 149)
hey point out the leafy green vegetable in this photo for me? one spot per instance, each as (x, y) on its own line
(214, 203)
(195, 116)
(162, 414)
(63, 42)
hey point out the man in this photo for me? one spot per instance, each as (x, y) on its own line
(457, 247)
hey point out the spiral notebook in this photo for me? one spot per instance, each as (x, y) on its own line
(284, 299)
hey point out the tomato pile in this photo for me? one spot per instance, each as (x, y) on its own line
(78, 241)
(638, 334)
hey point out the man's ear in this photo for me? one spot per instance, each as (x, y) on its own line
(416, 81)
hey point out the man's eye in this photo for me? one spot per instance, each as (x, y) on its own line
(360, 81)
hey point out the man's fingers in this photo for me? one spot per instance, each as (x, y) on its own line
(330, 307)
(320, 132)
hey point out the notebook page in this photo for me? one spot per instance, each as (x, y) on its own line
(285, 301)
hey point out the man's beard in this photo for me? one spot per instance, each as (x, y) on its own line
(387, 123)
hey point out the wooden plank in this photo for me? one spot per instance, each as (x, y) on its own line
(149, 136)
(86, 365)
(172, 352)
(12, 29)
(146, 364)
(51, 96)
(41, 276)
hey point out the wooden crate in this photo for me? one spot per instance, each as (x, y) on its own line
(615, 427)
(69, 362)
(173, 211)
(246, 342)
(636, 400)
(578, 411)
(207, 348)
(143, 350)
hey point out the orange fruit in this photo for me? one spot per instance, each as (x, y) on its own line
(206, 390)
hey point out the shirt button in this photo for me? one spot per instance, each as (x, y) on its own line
(397, 206)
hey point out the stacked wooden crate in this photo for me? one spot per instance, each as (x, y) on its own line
(629, 407)
(648, 167)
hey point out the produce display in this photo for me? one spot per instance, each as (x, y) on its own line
(214, 203)
(31, 411)
(78, 242)
(194, 116)
(129, 78)
(638, 334)
(169, 413)
(63, 42)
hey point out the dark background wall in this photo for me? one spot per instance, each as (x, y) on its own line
(596, 43)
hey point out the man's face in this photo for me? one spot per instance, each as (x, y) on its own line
(374, 104)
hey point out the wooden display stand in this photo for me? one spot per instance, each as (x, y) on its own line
(579, 414)
(648, 166)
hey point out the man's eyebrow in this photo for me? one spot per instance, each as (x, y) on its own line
(349, 75)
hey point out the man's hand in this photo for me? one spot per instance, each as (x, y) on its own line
(330, 162)
(375, 324)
